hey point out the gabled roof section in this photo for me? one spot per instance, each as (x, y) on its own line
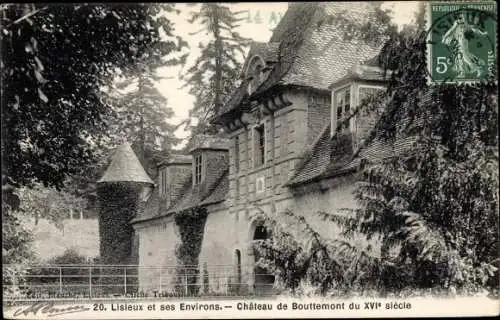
(311, 51)
(125, 167)
(323, 55)
(269, 52)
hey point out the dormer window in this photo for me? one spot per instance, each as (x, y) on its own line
(341, 109)
(345, 100)
(254, 73)
(198, 168)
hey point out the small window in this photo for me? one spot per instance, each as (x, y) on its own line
(255, 74)
(259, 136)
(163, 181)
(260, 185)
(198, 165)
(342, 107)
(237, 153)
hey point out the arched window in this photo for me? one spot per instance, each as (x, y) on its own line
(254, 72)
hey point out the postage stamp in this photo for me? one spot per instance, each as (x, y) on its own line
(462, 41)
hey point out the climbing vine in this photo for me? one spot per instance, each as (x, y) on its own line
(191, 224)
(118, 205)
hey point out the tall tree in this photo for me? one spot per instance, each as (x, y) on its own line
(141, 114)
(55, 61)
(212, 76)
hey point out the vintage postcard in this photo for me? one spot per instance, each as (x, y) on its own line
(249, 160)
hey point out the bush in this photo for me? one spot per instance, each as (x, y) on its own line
(70, 256)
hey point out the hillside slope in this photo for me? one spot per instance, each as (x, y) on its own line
(81, 235)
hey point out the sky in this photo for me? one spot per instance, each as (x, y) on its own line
(259, 20)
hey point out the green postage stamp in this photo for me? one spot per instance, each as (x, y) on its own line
(462, 41)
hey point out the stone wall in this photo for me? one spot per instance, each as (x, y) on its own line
(81, 235)
(318, 114)
(330, 196)
(226, 234)
(286, 137)
(230, 227)
(158, 240)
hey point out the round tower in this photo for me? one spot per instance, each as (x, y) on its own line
(119, 193)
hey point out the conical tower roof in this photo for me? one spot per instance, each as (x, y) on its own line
(125, 167)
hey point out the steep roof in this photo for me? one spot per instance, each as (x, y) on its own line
(203, 194)
(317, 52)
(328, 158)
(311, 52)
(191, 196)
(125, 167)
(267, 51)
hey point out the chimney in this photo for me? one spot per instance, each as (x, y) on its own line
(172, 176)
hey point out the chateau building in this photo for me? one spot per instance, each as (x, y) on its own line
(282, 150)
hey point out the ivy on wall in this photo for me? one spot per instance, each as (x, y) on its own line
(118, 205)
(191, 223)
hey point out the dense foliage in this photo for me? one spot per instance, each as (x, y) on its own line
(118, 205)
(430, 212)
(212, 76)
(141, 113)
(49, 203)
(55, 60)
(191, 224)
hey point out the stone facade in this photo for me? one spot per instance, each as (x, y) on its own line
(281, 151)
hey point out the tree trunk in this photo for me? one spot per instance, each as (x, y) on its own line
(142, 133)
(218, 60)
